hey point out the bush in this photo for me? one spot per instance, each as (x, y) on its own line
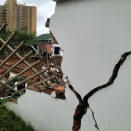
(10, 122)
(28, 39)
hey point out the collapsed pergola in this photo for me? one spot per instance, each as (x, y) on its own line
(22, 59)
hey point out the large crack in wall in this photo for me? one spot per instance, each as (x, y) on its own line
(83, 105)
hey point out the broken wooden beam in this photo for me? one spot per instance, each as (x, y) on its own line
(34, 64)
(18, 47)
(15, 65)
(30, 77)
(5, 43)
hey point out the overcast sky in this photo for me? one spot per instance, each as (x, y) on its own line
(45, 8)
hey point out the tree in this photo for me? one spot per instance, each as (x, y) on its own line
(28, 39)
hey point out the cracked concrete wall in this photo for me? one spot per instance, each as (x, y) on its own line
(94, 34)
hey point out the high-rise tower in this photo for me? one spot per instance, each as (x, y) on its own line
(18, 17)
(26, 18)
(10, 12)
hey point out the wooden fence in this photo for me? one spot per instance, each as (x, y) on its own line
(22, 59)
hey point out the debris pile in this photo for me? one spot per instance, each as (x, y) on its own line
(38, 70)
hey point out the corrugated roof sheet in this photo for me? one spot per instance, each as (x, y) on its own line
(44, 37)
(44, 42)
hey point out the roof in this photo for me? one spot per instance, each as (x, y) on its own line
(44, 37)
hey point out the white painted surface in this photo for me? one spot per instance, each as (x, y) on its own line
(44, 112)
(93, 34)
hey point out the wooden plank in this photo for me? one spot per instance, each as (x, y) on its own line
(2, 27)
(19, 56)
(22, 72)
(14, 51)
(5, 43)
(35, 84)
(30, 77)
(2, 85)
(40, 82)
(15, 65)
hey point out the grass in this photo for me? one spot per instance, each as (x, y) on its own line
(10, 122)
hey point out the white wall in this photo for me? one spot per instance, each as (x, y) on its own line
(93, 33)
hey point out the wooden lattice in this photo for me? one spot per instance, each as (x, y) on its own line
(22, 59)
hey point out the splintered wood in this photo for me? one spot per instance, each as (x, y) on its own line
(21, 66)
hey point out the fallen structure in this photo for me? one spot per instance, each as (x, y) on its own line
(40, 73)
(99, 108)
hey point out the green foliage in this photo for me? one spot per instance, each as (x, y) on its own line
(6, 35)
(10, 122)
(28, 39)
(3, 101)
(47, 85)
(14, 96)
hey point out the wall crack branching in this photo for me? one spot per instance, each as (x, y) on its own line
(83, 105)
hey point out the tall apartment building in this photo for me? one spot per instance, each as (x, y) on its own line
(26, 18)
(18, 17)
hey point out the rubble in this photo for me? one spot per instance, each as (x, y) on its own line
(45, 73)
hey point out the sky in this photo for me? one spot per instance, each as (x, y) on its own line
(45, 9)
